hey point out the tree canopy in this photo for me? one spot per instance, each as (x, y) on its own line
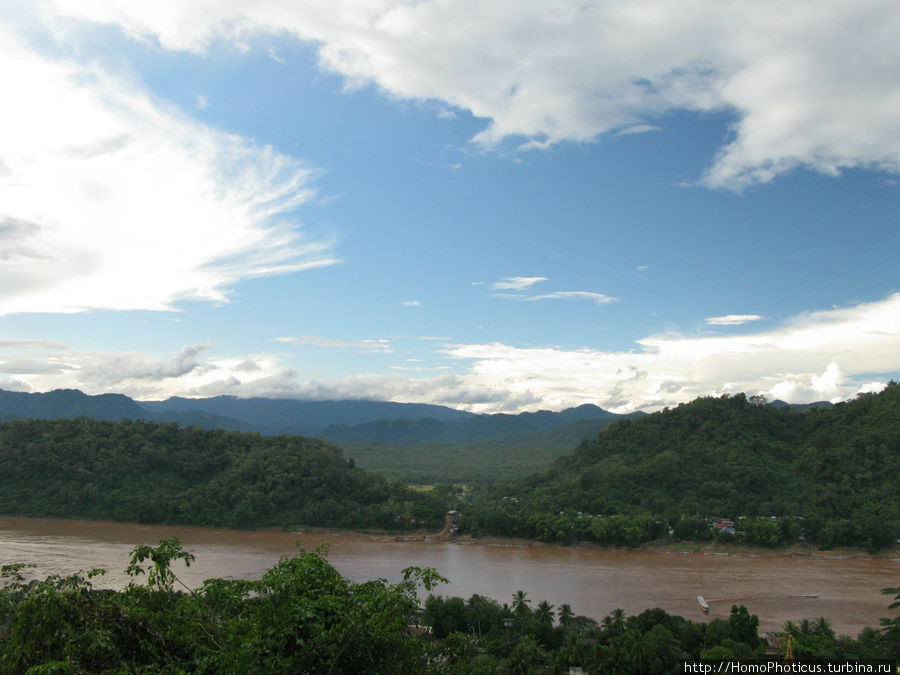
(162, 473)
(826, 474)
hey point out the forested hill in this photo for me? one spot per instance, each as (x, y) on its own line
(68, 403)
(414, 442)
(835, 467)
(159, 473)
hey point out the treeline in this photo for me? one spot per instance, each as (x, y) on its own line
(303, 616)
(828, 475)
(481, 635)
(161, 473)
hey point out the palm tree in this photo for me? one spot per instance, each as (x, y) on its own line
(520, 603)
(636, 649)
(791, 628)
(614, 623)
(545, 612)
(565, 615)
(525, 654)
(891, 627)
(822, 627)
(479, 612)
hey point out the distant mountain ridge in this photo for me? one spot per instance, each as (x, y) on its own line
(303, 418)
(477, 427)
(68, 404)
(413, 442)
(339, 421)
(801, 407)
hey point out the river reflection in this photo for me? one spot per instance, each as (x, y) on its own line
(594, 582)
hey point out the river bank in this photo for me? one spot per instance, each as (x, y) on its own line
(776, 585)
(798, 550)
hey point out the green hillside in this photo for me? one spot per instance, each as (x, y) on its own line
(836, 468)
(476, 461)
(159, 473)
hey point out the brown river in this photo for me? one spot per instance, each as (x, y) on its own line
(593, 582)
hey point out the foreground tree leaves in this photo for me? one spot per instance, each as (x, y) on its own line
(302, 616)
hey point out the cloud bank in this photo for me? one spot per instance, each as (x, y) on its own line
(828, 355)
(808, 84)
(820, 355)
(113, 200)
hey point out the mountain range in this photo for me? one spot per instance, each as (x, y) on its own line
(347, 421)
(414, 442)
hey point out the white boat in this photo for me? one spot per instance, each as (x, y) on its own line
(704, 605)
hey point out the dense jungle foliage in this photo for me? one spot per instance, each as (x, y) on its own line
(302, 616)
(825, 475)
(473, 462)
(828, 475)
(159, 473)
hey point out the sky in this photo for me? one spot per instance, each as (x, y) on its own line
(492, 205)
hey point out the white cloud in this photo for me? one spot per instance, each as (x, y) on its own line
(382, 346)
(14, 385)
(102, 372)
(847, 343)
(247, 366)
(114, 200)
(145, 376)
(13, 343)
(596, 298)
(810, 84)
(520, 284)
(829, 355)
(516, 283)
(732, 319)
(412, 303)
(638, 129)
(826, 386)
(872, 387)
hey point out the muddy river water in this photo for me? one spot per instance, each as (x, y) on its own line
(593, 582)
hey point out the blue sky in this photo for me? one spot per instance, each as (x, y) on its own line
(484, 205)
